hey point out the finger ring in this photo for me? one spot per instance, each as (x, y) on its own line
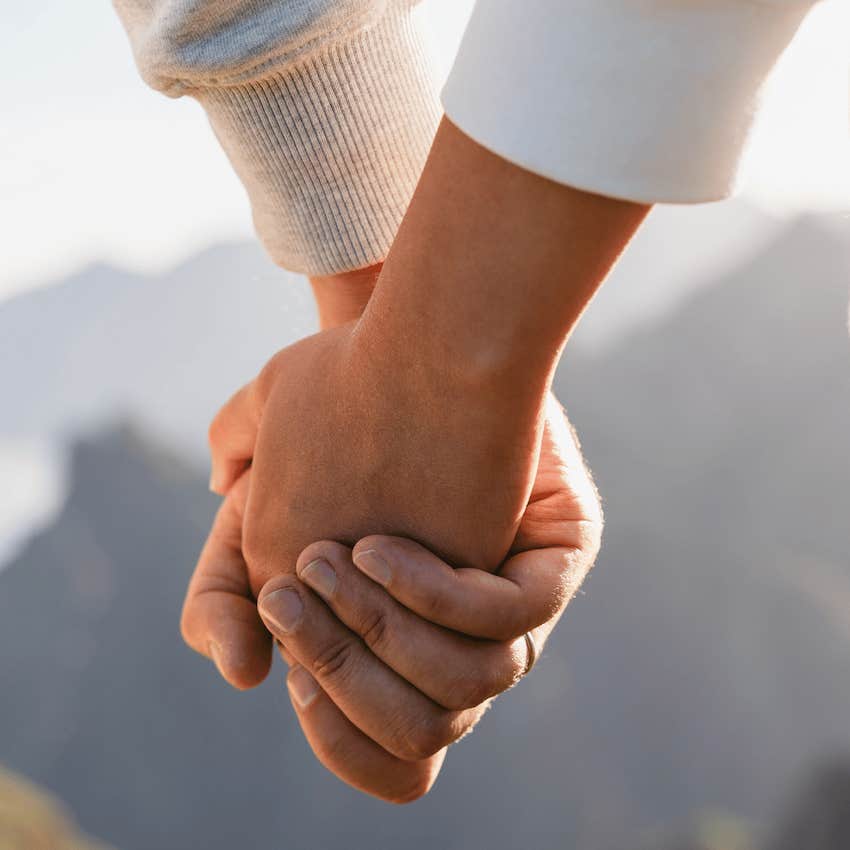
(531, 653)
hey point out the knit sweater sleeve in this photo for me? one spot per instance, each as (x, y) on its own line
(646, 100)
(326, 109)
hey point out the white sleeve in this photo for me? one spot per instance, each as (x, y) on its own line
(647, 100)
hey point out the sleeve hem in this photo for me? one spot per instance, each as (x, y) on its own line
(330, 149)
(644, 101)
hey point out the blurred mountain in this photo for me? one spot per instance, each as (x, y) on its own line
(679, 250)
(721, 600)
(164, 351)
(818, 816)
(706, 664)
(101, 702)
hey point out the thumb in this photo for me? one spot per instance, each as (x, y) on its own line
(220, 618)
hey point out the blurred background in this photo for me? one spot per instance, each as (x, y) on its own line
(697, 694)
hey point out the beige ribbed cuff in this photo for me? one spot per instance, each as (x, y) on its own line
(330, 149)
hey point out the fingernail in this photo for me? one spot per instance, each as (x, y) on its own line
(371, 563)
(283, 609)
(319, 575)
(215, 652)
(302, 686)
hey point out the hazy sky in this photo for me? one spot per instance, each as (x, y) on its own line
(95, 166)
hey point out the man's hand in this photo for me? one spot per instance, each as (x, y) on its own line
(391, 667)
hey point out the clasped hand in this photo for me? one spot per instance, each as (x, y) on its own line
(401, 526)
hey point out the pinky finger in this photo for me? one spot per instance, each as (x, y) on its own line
(349, 754)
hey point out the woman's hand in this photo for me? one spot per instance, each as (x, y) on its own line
(349, 434)
(389, 669)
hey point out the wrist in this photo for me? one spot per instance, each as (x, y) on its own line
(437, 340)
(414, 355)
(342, 298)
(493, 266)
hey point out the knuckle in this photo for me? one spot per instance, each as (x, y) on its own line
(333, 748)
(511, 628)
(214, 433)
(334, 661)
(483, 687)
(497, 672)
(589, 541)
(430, 602)
(508, 666)
(373, 628)
(430, 734)
(467, 693)
(509, 621)
(533, 607)
(415, 787)
(330, 550)
(593, 537)
(576, 565)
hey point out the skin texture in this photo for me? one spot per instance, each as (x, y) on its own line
(349, 444)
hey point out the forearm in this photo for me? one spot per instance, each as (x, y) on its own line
(494, 265)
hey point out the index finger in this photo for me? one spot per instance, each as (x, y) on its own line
(531, 589)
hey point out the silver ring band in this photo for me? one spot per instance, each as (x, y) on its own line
(531, 653)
